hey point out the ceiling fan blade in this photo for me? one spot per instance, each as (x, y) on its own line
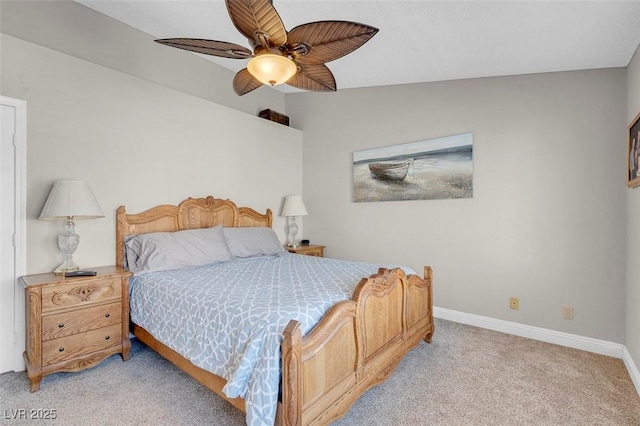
(208, 47)
(328, 40)
(244, 82)
(315, 77)
(251, 16)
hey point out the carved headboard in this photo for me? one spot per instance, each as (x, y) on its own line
(192, 213)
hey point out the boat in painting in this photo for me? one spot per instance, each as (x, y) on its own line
(390, 171)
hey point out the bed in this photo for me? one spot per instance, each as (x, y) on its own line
(323, 369)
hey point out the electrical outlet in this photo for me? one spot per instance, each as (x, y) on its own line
(567, 312)
(514, 303)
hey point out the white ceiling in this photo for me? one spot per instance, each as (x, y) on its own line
(422, 40)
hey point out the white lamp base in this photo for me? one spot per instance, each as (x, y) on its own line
(66, 267)
(293, 230)
(68, 243)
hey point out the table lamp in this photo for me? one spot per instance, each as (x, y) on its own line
(293, 206)
(70, 200)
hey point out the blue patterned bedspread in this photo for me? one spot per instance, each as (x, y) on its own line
(228, 318)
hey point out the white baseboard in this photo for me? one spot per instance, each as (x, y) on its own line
(588, 344)
(631, 368)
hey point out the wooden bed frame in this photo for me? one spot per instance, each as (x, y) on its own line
(356, 345)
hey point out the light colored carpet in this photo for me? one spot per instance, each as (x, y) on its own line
(467, 376)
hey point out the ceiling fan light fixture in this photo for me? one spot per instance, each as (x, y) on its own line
(272, 69)
(295, 57)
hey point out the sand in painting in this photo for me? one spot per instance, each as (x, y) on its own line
(432, 177)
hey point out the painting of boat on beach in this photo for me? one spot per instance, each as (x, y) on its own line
(431, 169)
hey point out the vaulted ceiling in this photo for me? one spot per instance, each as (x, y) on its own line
(422, 41)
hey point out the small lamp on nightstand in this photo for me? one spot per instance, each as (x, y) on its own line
(293, 206)
(70, 200)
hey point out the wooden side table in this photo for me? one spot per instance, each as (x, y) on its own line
(310, 250)
(75, 323)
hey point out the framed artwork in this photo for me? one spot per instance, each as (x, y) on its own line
(430, 169)
(633, 153)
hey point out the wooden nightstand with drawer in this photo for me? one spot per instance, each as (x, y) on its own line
(310, 250)
(75, 323)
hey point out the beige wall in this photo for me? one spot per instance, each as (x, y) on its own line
(546, 222)
(138, 144)
(633, 226)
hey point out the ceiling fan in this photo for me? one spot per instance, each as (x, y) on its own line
(296, 57)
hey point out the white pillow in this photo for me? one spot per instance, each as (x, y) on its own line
(170, 250)
(253, 241)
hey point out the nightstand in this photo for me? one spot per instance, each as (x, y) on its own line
(75, 323)
(309, 250)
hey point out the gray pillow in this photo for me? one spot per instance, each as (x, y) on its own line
(171, 250)
(253, 241)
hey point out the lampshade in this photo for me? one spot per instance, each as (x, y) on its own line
(293, 206)
(71, 198)
(269, 68)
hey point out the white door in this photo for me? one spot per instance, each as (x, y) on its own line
(11, 233)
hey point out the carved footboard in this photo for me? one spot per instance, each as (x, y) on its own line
(357, 345)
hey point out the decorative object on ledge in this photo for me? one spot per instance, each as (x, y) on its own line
(274, 116)
(293, 206)
(70, 200)
(295, 57)
(633, 153)
(425, 170)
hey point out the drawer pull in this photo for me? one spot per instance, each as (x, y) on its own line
(106, 338)
(61, 350)
(107, 315)
(61, 325)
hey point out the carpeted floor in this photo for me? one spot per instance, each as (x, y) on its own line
(467, 376)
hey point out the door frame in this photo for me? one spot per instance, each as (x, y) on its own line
(20, 242)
